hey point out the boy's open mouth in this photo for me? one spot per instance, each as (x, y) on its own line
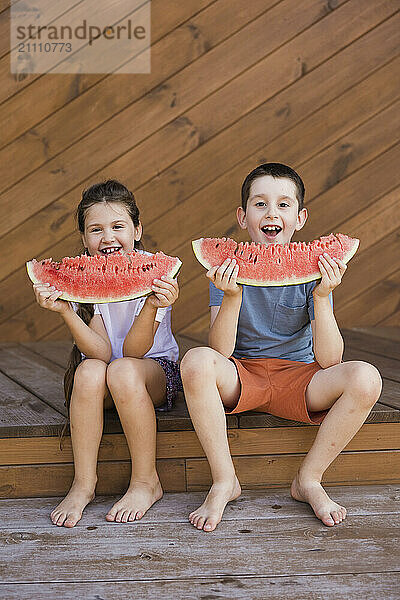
(271, 231)
(111, 249)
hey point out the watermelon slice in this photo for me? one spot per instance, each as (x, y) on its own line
(99, 279)
(276, 264)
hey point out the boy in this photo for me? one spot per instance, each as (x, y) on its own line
(275, 350)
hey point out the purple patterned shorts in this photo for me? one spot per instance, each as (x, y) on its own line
(174, 382)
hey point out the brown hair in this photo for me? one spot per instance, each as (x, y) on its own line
(106, 191)
(277, 170)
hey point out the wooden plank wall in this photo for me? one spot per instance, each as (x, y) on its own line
(233, 83)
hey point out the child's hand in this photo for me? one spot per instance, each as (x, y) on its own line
(46, 297)
(165, 292)
(332, 270)
(224, 277)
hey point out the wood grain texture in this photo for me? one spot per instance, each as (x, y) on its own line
(232, 97)
(184, 444)
(308, 587)
(56, 479)
(269, 470)
(154, 557)
(164, 557)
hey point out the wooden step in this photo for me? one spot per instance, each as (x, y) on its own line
(266, 450)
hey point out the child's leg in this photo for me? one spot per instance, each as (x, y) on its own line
(350, 390)
(86, 423)
(137, 385)
(210, 381)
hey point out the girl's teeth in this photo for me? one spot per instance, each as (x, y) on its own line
(110, 250)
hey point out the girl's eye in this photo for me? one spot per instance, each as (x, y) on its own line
(284, 204)
(97, 229)
(260, 203)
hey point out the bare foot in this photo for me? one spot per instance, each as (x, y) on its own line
(70, 510)
(311, 491)
(209, 514)
(136, 501)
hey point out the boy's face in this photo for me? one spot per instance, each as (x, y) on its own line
(272, 203)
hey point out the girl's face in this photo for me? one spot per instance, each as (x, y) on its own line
(109, 228)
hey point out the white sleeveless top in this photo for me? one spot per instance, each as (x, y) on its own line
(118, 318)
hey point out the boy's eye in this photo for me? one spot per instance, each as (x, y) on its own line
(260, 203)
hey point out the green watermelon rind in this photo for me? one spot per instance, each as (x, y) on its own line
(93, 300)
(196, 245)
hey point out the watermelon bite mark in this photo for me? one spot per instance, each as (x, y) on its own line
(277, 264)
(103, 278)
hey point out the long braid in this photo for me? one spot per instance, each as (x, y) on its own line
(85, 312)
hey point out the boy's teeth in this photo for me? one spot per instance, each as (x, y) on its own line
(272, 228)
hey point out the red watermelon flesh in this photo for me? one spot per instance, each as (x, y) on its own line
(276, 264)
(99, 279)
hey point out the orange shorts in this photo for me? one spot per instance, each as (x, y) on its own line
(276, 386)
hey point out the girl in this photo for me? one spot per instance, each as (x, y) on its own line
(124, 354)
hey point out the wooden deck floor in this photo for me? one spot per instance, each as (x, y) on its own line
(267, 546)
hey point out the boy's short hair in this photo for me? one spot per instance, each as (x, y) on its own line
(275, 170)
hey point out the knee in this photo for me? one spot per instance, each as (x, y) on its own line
(90, 374)
(365, 380)
(123, 373)
(197, 364)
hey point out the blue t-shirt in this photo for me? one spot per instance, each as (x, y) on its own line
(274, 322)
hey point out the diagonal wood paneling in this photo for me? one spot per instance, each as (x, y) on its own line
(233, 83)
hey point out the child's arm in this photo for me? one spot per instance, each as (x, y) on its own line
(91, 340)
(140, 337)
(327, 340)
(224, 319)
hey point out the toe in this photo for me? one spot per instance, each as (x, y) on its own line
(139, 515)
(118, 516)
(60, 520)
(200, 523)
(209, 526)
(125, 516)
(335, 516)
(327, 520)
(70, 522)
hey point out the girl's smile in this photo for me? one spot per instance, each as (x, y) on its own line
(108, 229)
